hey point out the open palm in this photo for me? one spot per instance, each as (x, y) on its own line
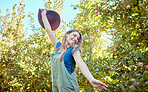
(98, 84)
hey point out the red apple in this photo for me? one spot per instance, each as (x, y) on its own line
(120, 36)
(84, 19)
(9, 63)
(142, 41)
(146, 67)
(127, 25)
(81, 29)
(112, 69)
(74, 8)
(96, 14)
(140, 64)
(146, 71)
(108, 68)
(128, 6)
(87, 80)
(136, 20)
(102, 9)
(83, 55)
(76, 69)
(3, 87)
(116, 31)
(106, 8)
(95, 8)
(91, 40)
(96, 11)
(97, 30)
(113, 33)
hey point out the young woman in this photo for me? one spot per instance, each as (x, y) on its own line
(66, 54)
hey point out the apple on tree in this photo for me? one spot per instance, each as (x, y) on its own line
(146, 67)
(140, 64)
(87, 81)
(96, 11)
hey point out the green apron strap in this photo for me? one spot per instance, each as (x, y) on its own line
(73, 66)
(74, 63)
(55, 50)
(63, 55)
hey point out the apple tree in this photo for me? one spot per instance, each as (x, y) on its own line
(122, 65)
(25, 62)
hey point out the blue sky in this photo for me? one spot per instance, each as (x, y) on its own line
(32, 6)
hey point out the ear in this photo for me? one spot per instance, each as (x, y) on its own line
(65, 36)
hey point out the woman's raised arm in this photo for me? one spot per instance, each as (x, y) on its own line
(47, 26)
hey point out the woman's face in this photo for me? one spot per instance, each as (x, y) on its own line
(72, 38)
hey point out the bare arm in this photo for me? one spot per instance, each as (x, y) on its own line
(84, 69)
(47, 26)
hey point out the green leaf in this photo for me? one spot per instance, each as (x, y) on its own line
(122, 87)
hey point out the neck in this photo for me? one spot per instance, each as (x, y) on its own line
(65, 45)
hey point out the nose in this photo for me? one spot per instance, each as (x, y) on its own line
(76, 39)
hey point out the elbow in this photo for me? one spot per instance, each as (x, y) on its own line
(81, 64)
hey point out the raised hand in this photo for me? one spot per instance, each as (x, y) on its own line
(44, 12)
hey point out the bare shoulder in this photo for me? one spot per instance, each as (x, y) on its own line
(77, 54)
(55, 42)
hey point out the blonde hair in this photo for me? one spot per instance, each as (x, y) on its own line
(75, 46)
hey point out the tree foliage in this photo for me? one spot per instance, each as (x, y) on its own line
(115, 45)
(125, 21)
(24, 62)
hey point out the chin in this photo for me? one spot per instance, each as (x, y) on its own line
(71, 43)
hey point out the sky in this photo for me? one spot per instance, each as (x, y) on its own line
(33, 6)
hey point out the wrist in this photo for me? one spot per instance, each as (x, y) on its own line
(90, 80)
(43, 14)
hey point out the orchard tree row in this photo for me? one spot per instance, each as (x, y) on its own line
(123, 64)
(25, 62)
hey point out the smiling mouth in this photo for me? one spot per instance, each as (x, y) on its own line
(74, 40)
